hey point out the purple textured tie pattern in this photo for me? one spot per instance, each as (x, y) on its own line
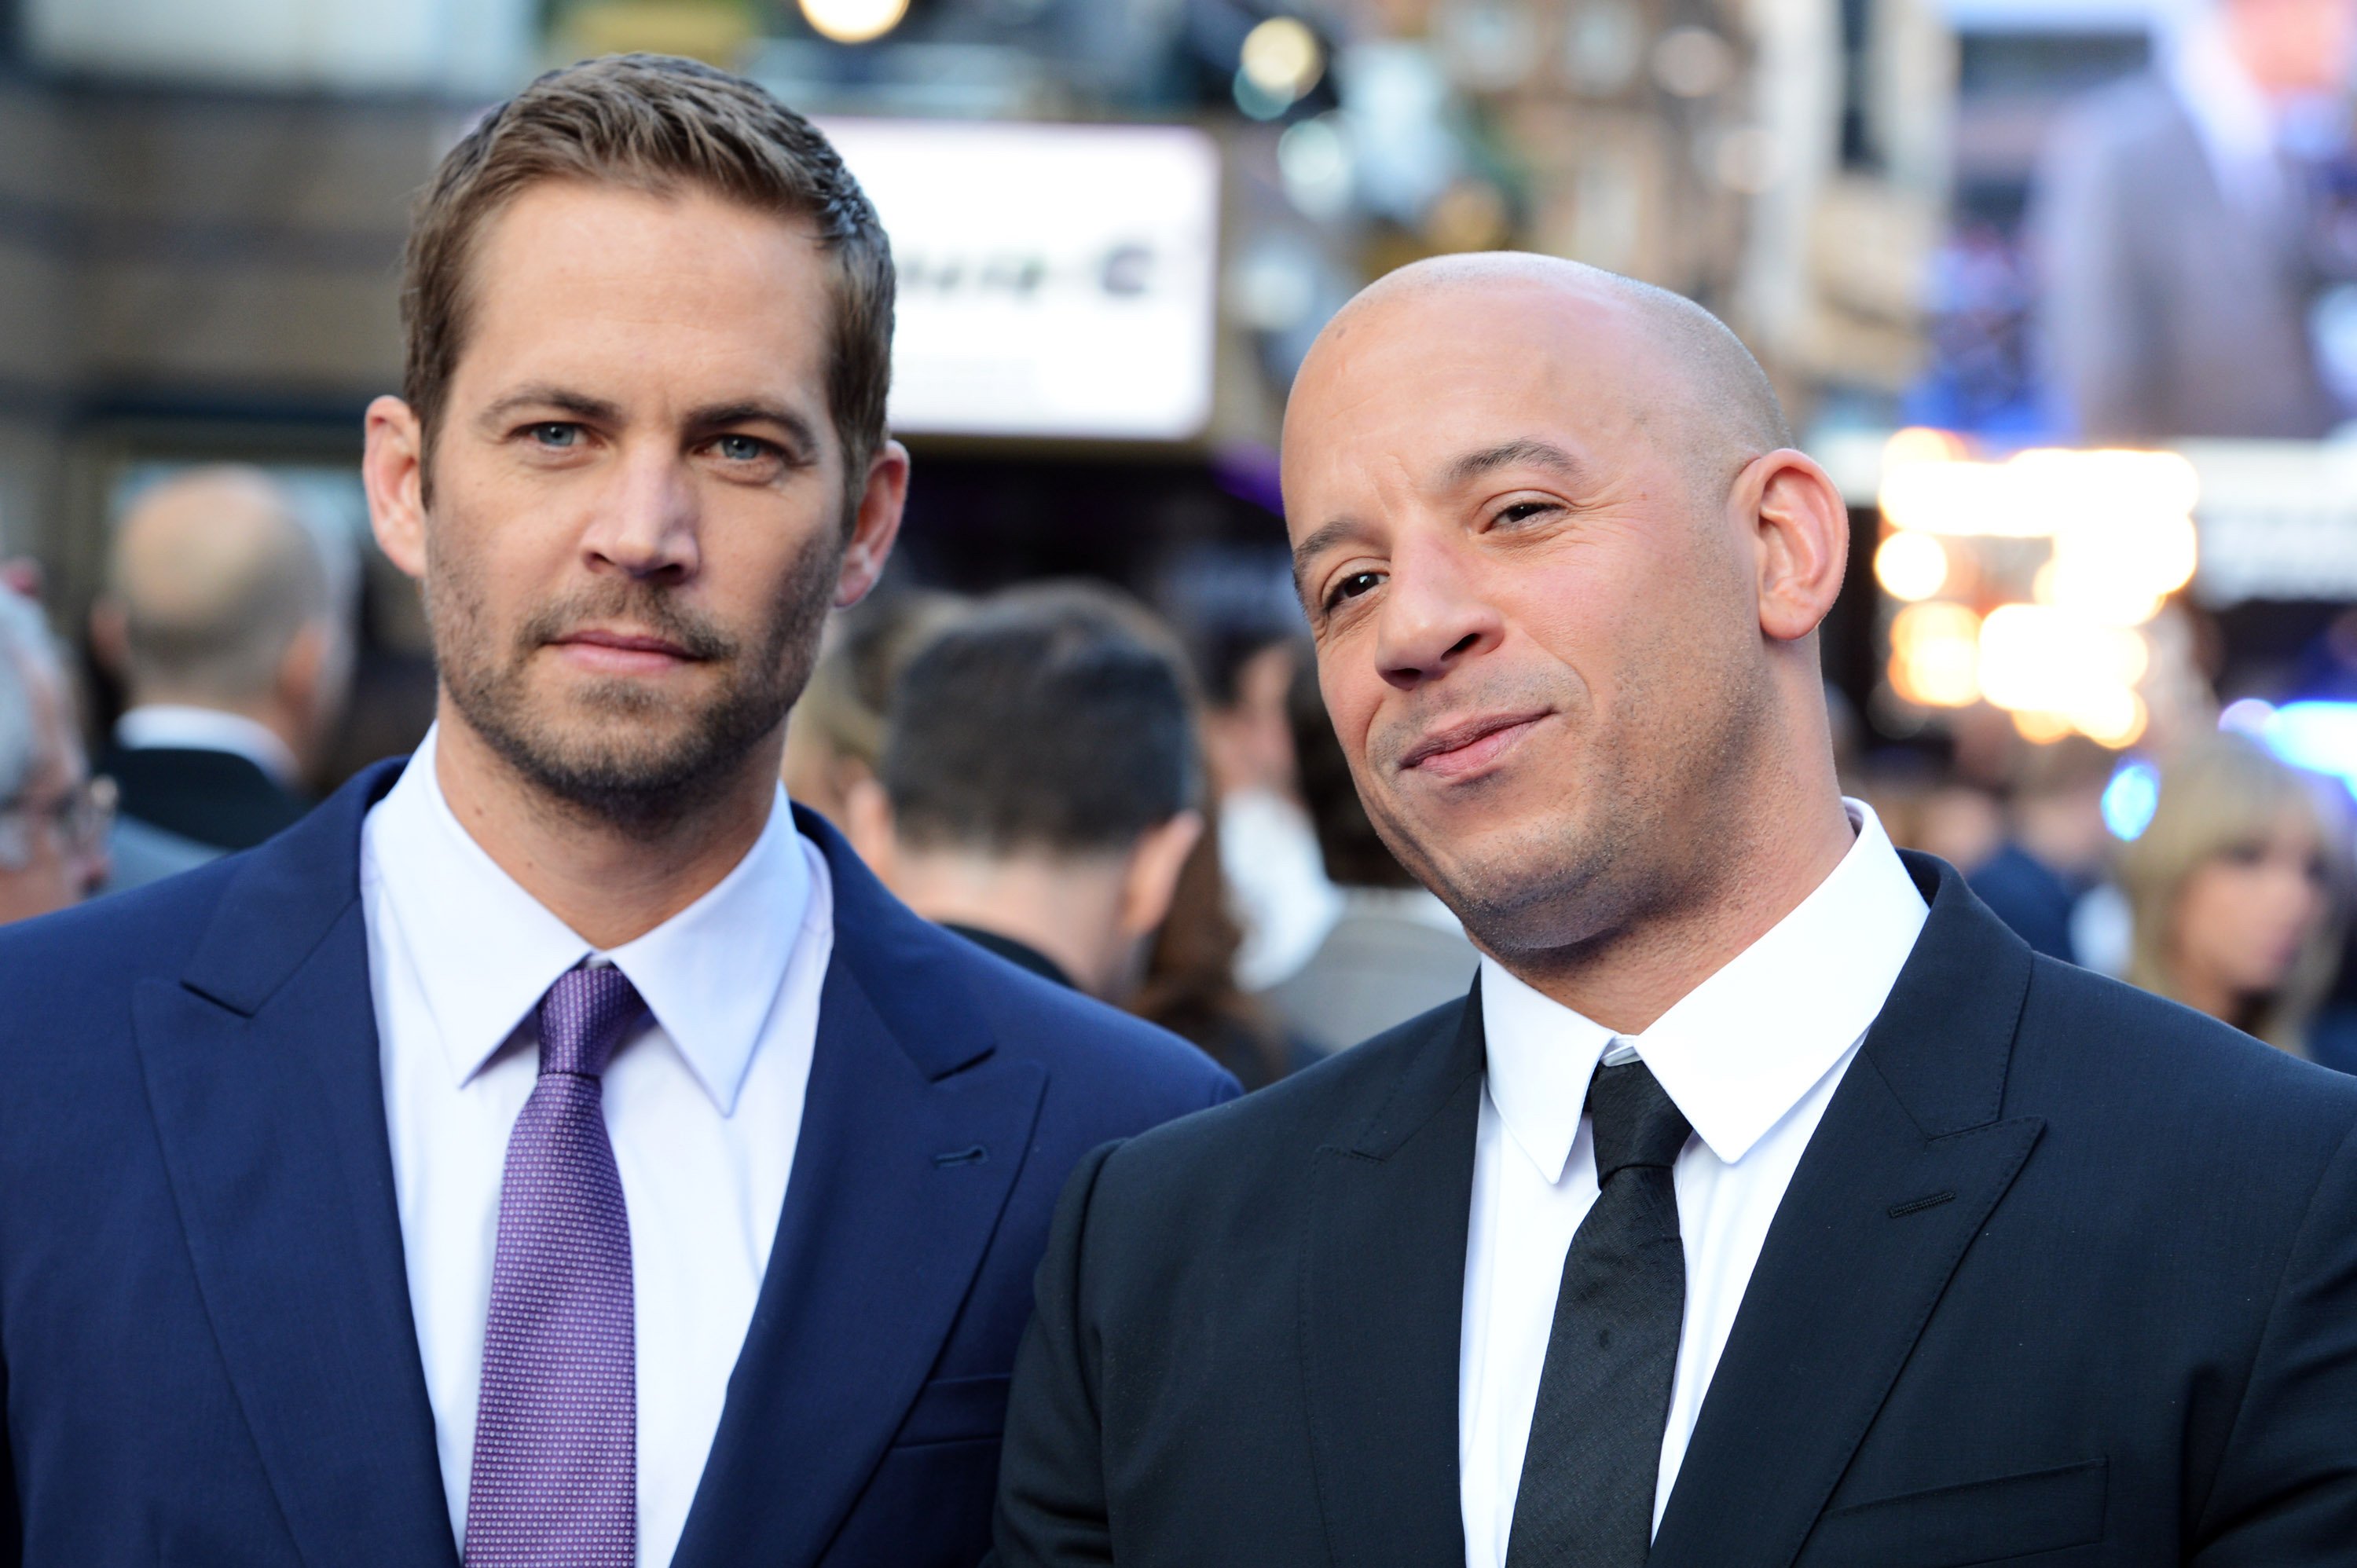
(555, 1470)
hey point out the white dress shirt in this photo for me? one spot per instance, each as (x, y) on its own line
(1750, 1056)
(174, 724)
(704, 1105)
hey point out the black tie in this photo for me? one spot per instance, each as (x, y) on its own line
(1589, 1475)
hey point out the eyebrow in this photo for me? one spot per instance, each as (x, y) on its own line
(711, 417)
(1323, 537)
(721, 415)
(1526, 452)
(543, 394)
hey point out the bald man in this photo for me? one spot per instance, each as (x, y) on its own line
(1768, 1202)
(220, 618)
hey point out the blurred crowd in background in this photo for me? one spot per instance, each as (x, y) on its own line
(2062, 292)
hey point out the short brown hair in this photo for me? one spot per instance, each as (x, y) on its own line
(654, 124)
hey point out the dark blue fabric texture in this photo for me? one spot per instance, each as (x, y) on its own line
(204, 1315)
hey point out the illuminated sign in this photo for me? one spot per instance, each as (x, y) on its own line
(1055, 280)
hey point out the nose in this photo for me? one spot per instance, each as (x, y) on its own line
(647, 525)
(1434, 617)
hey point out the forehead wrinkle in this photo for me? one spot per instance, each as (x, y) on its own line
(1521, 451)
(1685, 373)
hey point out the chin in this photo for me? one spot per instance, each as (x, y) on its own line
(1521, 901)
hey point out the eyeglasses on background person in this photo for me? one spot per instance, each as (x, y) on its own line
(53, 847)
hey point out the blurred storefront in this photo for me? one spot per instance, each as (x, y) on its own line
(1120, 223)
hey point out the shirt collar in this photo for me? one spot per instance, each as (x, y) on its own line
(180, 726)
(1740, 1051)
(485, 950)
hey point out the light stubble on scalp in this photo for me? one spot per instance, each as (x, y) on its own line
(1547, 893)
(1727, 412)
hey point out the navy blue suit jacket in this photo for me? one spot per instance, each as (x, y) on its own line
(2067, 1278)
(204, 1313)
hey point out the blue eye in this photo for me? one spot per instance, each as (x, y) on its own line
(741, 448)
(556, 434)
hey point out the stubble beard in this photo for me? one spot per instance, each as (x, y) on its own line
(611, 761)
(1632, 841)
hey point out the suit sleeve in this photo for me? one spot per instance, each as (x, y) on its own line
(2092, 313)
(2285, 1495)
(12, 1518)
(1051, 1494)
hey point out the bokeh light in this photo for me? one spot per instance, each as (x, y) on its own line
(853, 21)
(1933, 654)
(1910, 565)
(1281, 59)
(2130, 797)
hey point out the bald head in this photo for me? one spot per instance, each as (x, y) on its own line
(1679, 373)
(1564, 573)
(214, 577)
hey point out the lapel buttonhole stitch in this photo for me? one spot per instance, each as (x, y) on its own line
(973, 1156)
(1917, 1206)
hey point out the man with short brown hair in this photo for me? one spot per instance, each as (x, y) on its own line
(556, 1150)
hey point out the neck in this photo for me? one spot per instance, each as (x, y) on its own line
(1747, 870)
(1065, 909)
(609, 883)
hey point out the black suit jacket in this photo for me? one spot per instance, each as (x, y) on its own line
(2068, 1275)
(216, 798)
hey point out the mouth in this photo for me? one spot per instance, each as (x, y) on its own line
(1463, 749)
(611, 652)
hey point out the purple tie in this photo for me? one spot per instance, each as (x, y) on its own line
(556, 1479)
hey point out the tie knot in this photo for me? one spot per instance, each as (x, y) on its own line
(584, 1017)
(1633, 1119)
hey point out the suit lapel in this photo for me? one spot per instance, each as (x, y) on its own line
(1906, 1168)
(1384, 1294)
(263, 1078)
(913, 1133)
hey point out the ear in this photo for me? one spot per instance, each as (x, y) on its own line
(1150, 879)
(301, 667)
(110, 637)
(875, 525)
(868, 823)
(1799, 528)
(392, 471)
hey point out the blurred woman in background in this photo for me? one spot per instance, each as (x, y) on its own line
(2238, 888)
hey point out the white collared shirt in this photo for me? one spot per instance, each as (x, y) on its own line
(176, 725)
(1752, 1056)
(704, 1105)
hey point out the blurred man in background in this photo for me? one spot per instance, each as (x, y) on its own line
(2175, 215)
(834, 738)
(2053, 854)
(52, 816)
(1037, 787)
(220, 618)
(1395, 951)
